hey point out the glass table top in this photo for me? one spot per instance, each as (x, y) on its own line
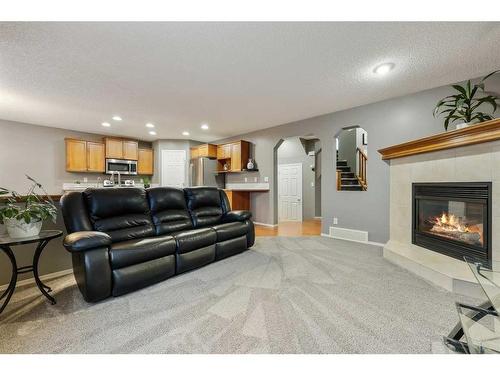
(44, 235)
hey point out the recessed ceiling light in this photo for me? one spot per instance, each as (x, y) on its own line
(384, 68)
(152, 132)
(185, 133)
(116, 118)
(106, 124)
(204, 126)
(149, 125)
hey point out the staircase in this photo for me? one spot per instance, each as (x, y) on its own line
(348, 179)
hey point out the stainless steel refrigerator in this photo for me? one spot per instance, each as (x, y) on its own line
(202, 172)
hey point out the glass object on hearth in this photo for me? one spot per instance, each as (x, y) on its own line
(488, 276)
(454, 220)
(481, 329)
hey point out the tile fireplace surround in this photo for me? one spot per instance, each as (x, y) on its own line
(466, 155)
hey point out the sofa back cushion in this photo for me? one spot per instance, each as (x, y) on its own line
(168, 210)
(204, 205)
(123, 213)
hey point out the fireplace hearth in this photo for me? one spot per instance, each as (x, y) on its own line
(453, 218)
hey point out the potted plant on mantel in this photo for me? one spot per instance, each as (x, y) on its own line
(24, 216)
(464, 107)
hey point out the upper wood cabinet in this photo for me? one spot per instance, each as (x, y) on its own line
(121, 149)
(234, 154)
(84, 156)
(224, 151)
(76, 155)
(145, 164)
(195, 153)
(114, 148)
(130, 150)
(95, 157)
(206, 150)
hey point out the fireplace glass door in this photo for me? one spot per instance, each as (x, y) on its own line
(452, 218)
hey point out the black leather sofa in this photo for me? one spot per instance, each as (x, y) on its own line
(123, 239)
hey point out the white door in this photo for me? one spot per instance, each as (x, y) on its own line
(173, 168)
(290, 192)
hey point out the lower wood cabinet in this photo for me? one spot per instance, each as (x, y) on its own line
(145, 163)
(239, 200)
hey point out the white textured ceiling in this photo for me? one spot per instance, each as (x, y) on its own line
(238, 77)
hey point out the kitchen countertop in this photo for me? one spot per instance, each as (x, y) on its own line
(256, 186)
(82, 186)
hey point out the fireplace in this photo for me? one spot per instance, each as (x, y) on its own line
(453, 218)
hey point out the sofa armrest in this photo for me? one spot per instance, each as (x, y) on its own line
(86, 240)
(232, 216)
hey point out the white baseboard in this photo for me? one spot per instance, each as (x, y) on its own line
(44, 277)
(265, 225)
(318, 217)
(349, 234)
(351, 240)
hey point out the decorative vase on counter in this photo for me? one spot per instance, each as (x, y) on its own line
(250, 165)
(20, 229)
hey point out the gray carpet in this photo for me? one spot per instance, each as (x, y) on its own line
(285, 295)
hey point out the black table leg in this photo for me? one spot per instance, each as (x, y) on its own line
(7, 294)
(43, 288)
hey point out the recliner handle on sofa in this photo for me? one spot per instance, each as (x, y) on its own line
(238, 215)
(86, 240)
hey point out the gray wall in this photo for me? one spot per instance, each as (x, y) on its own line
(292, 151)
(38, 151)
(387, 123)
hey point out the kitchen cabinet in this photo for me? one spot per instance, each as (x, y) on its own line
(117, 148)
(206, 150)
(224, 151)
(195, 153)
(84, 156)
(234, 154)
(95, 157)
(238, 200)
(130, 150)
(114, 148)
(76, 155)
(145, 163)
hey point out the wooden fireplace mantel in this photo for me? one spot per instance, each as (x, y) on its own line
(485, 132)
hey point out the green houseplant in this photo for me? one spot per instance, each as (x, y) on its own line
(24, 216)
(464, 106)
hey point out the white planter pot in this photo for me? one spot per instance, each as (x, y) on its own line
(19, 228)
(3, 230)
(462, 125)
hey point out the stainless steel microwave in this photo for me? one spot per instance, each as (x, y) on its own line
(128, 167)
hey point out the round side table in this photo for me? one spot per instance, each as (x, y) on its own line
(41, 240)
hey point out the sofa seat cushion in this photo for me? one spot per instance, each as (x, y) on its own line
(194, 239)
(230, 230)
(127, 253)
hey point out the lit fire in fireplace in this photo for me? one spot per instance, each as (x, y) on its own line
(451, 226)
